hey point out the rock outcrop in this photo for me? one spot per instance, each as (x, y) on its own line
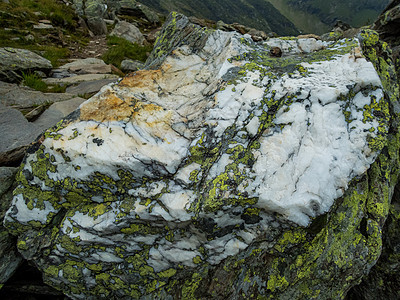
(15, 61)
(96, 11)
(388, 26)
(219, 172)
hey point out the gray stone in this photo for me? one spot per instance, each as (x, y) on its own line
(7, 175)
(129, 32)
(87, 66)
(43, 26)
(10, 259)
(129, 65)
(61, 73)
(79, 78)
(16, 134)
(29, 38)
(15, 61)
(89, 87)
(97, 26)
(56, 112)
(23, 97)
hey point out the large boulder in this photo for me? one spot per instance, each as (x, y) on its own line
(223, 171)
(13, 62)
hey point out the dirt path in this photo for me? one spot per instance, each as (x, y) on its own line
(96, 47)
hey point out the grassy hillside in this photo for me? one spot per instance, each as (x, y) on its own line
(318, 16)
(17, 21)
(259, 14)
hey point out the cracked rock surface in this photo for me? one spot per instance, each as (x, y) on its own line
(215, 170)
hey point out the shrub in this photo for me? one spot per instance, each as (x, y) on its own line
(35, 82)
(121, 49)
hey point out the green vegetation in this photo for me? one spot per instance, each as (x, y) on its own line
(259, 14)
(35, 82)
(17, 20)
(314, 16)
(121, 49)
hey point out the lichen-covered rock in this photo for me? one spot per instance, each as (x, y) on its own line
(220, 172)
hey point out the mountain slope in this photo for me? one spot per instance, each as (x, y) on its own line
(259, 14)
(318, 16)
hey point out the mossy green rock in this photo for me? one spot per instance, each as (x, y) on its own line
(222, 171)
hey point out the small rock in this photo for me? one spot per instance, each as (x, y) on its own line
(97, 26)
(129, 65)
(257, 35)
(35, 113)
(129, 32)
(40, 74)
(275, 52)
(43, 26)
(224, 27)
(29, 38)
(61, 73)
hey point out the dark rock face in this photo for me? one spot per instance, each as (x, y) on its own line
(383, 280)
(10, 259)
(171, 184)
(388, 26)
(388, 23)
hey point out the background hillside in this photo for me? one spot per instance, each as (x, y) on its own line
(259, 14)
(318, 16)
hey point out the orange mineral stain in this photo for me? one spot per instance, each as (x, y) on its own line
(106, 108)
